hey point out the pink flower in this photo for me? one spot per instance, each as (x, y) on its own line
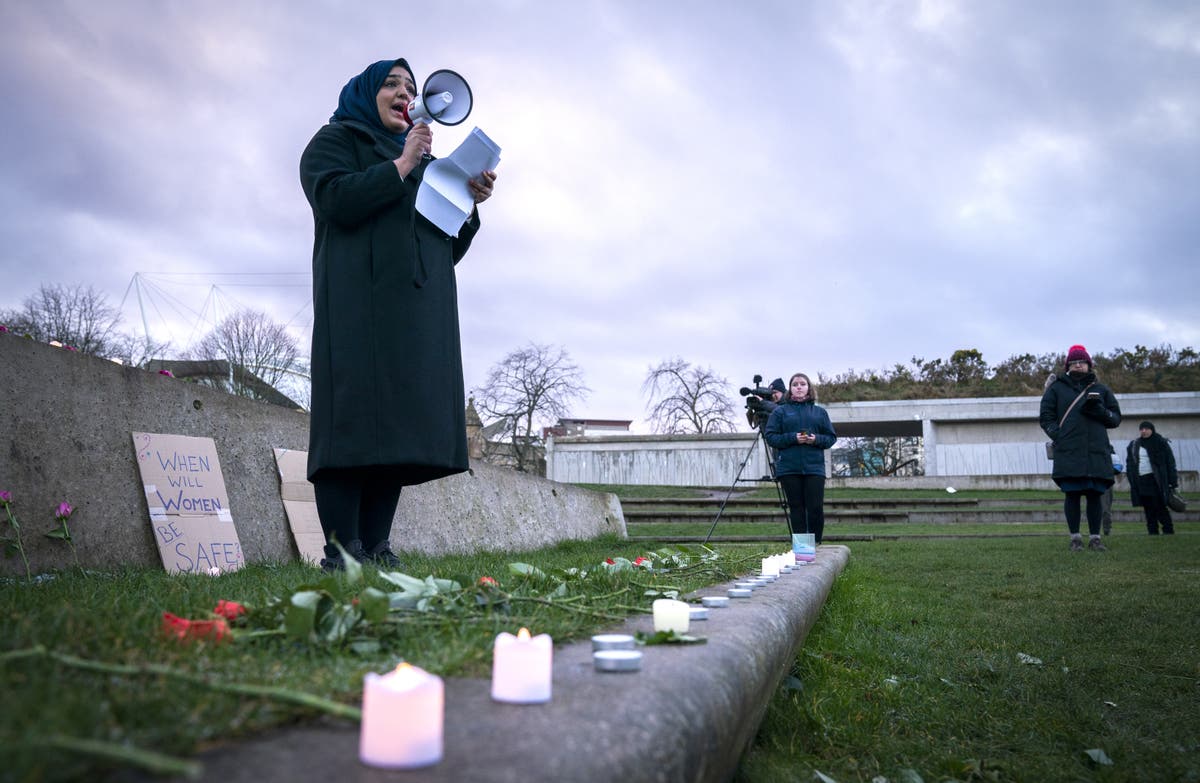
(3, 328)
(64, 510)
(230, 610)
(5, 497)
(487, 581)
(167, 373)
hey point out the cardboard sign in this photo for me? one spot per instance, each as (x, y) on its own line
(300, 503)
(188, 505)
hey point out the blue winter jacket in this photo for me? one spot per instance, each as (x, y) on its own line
(787, 420)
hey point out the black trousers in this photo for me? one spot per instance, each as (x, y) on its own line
(1071, 506)
(806, 503)
(356, 504)
(1153, 506)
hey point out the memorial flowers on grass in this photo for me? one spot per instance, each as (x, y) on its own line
(214, 629)
(13, 544)
(289, 634)
(195, 630)
(62, 532)
(367, 610)
(230, 610)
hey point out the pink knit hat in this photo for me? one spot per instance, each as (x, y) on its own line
(1078, 353)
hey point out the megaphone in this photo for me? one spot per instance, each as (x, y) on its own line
(446, 98)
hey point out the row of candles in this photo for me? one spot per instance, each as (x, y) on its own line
(403, 711)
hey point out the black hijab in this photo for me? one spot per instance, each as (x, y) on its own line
(357, 100)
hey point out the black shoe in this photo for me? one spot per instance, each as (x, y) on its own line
(382, 555)
(335, 562)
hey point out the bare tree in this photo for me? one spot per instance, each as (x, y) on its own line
(683, 398)
(77, 316)
(251, 343)
(878, 456)
(530, 387)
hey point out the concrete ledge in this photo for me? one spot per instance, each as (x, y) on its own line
(687, 716)
(65, 424)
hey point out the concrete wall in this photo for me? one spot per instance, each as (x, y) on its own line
(65, 424)
(968, 437)
(672, 460)
(1001, 436)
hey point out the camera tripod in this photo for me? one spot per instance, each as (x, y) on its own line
(741, 469)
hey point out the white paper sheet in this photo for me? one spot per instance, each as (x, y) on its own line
(444, 197)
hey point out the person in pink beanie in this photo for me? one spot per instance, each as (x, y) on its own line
(1077, 411)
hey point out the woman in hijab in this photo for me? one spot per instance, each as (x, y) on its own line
(388, 407)
(1076, 413)
(1151, 468)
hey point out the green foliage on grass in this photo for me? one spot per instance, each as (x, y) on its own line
(136, 690)
(915, 669)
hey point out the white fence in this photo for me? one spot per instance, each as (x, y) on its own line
(672, 460)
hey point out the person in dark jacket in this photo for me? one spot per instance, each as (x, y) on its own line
(758, 411)
(1076, 413)
(1106, 500)
(800, 431)
(1151, 468)
(388, 407)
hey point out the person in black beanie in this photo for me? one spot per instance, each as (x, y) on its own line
(1151, 468)
(1076, 413)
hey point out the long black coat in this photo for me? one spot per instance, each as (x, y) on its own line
(1162, 462)
(387, 380)
(1081, 447)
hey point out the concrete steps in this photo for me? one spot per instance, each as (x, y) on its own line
(948, 511)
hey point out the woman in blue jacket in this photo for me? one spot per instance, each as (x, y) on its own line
(800, 431)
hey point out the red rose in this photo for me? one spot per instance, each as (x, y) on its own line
(230, 610)
(195, 630)
(487, 581)
(639, 561)
(610, 561)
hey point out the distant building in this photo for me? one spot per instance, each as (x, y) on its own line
(495, 444)
(221, 374)
(587, 428)
(991, 436)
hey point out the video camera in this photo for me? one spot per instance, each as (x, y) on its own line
(759, 402)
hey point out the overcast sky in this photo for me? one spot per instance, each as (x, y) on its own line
(761, 187)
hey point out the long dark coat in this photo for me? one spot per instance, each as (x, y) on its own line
(1081, 447)
(387, 379)
(1162, 462)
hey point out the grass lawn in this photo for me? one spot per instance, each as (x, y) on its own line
(917, 668)
(999, 658)
(91, 683)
